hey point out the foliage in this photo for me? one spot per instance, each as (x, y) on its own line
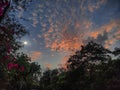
(17, 71)
(91, 68)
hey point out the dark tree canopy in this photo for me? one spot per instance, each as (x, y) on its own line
(90, 53)
(93, 67)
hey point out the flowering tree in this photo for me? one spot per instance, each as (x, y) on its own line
(15, 68)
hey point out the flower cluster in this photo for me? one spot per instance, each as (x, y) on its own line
(16, 66)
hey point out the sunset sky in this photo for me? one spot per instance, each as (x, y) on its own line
(59, 27)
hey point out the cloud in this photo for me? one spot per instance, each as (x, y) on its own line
(96, 5)
(117, 34)
(35, 55)
(107, 34)
(35, 22)
(90, 5)
(48, 65)
(66, 37)
(39, 36)
(101, 38)
(66, 28)
(34, 14)
(105, 28)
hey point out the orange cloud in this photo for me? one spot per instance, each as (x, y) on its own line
(117, 34)
(95, 34)
(48, 65)
(66, 38)
(105, 28)
(109, 42)
(113, 30)
(62, 41)
(50, 30)
(35, 55)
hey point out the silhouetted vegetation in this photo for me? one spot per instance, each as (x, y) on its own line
(91, 68)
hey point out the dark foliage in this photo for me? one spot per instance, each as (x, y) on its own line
(91, 68)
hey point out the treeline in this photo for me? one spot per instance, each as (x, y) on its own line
(91, 68)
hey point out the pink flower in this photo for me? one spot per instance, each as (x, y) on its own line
(10, 65)
(15, 66)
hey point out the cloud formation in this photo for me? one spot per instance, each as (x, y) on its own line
(48, 65)
(35, 55)
(67, 37)
(92, 7)
(107, 34)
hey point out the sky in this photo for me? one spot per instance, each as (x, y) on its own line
(59, 27)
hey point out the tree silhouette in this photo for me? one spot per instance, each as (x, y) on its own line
(90, 53)
(91, 68)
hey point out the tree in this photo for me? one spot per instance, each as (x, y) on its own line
(16, 69)
(91, 68)
(116, 52)
(4, 5)
(7, 6)
(90, 53)
(94, 68)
